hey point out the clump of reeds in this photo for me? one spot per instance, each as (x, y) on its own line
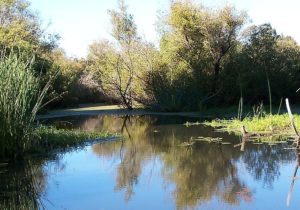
(20, 99)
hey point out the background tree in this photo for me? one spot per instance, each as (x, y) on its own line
(125, 33)
(20, 28)
(265, 68)
(195, 47)
(122, 68)
(73, 85)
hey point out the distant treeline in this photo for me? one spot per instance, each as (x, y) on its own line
(206, 57)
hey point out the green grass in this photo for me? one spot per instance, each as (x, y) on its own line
(49, 138)
(275, 124)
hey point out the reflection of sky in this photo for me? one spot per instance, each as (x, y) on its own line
(88, 182)
(265, 197)
(79, 22)
(206, 174)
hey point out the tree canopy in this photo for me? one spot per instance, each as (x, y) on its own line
(206, 57)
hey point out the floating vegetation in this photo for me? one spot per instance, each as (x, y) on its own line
(188, 124)
(209, 139)
(187, 144)
(266, 126)
(216, 140)
(225, 143)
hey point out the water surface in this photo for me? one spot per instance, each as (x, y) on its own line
(150, 169)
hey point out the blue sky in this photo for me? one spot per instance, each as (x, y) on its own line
(80, 22)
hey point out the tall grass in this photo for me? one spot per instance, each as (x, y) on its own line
(268, 123)
(20, 99)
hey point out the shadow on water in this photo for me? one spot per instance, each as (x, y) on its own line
(199, 173)
(21, 185)
(24, 184)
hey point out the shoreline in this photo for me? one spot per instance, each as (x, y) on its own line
(113, 110)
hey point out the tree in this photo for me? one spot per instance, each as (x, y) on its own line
(204, 59)
(125, 33)
(265, 68)
(21, 28)
(101, 62)
(122, 68)
(197, 43)
(222, 37)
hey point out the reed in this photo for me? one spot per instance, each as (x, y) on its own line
(20, 98)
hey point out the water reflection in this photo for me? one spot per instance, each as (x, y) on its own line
(24, 184)
(21, 186)
(264, 161)
(289, 197)
(205, 173)
(200, 172)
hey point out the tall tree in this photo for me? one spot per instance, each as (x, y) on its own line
(125, 32)
(197, 43)
(20, 27)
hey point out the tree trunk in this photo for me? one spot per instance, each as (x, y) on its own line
(217, 69)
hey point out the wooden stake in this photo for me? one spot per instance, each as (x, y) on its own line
(291, 116)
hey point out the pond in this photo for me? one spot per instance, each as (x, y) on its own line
(149, 168)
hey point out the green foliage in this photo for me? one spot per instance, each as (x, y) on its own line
(123, 64)
(73, 84)
(50, 138)
(195, 48)
(204, 60)
(124, 27)
(122, 70)
(20, 99)
(277, 124)
(265, 65)
(21, 28)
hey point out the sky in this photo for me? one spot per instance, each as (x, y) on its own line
(80, 22)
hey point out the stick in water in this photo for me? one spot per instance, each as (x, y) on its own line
(291, 116)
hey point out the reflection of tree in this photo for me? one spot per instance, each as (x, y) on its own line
(263, 161)
(196, 179)
(128, 172)
(131, 152)
(130, 167)
(200, 172)
(200, 177)
(22, 186)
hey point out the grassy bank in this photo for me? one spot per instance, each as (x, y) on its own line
(50, 138)
(278, 124)
(21, 96)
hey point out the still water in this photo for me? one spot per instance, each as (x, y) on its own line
(148, 169)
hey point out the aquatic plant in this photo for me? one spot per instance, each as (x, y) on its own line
(20, 99)
(274, 124)
(49, 138)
